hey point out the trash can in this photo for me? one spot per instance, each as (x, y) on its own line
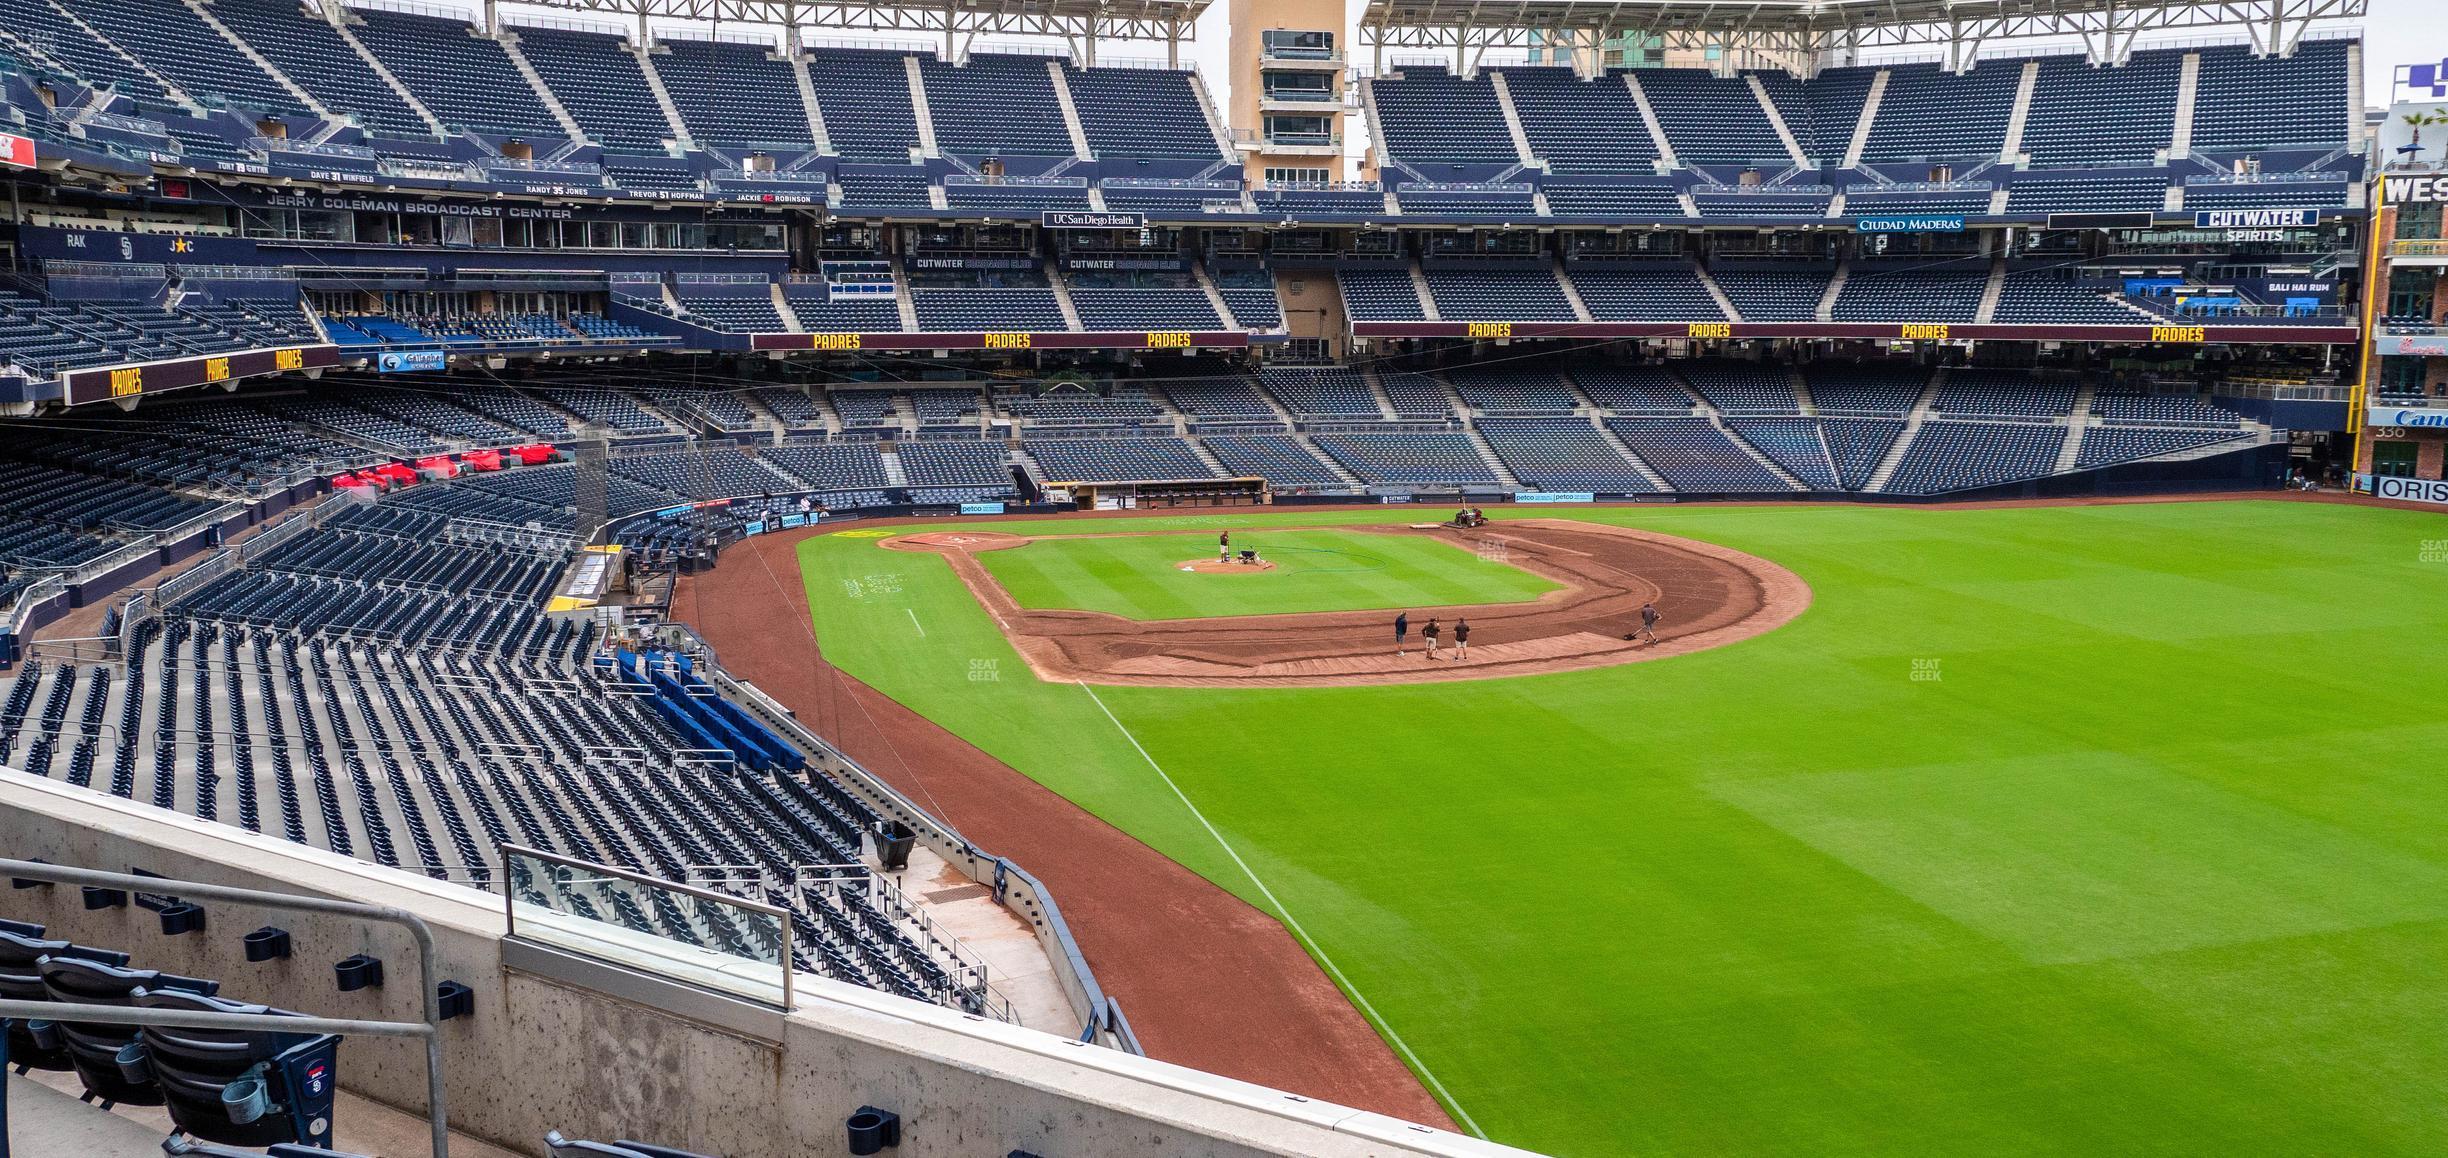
(893, 846)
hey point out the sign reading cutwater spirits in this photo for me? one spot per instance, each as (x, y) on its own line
(2255, 218)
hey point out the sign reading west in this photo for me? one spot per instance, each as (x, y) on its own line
(2420, 190)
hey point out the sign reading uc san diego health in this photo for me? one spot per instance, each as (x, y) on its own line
(2255, 218)
(1074, 219)
(1909, 223)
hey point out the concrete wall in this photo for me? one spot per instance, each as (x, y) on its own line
(598, 1050)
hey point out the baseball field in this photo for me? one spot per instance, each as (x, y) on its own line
(2067, 830)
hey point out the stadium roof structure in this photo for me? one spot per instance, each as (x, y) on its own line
(1811, 29)
(1081, 21)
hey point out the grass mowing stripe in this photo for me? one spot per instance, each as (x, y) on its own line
(1293, 925)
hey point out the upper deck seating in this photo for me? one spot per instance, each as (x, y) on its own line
(1580, 126)
(596, 77)
(462, 77)
(995, 104)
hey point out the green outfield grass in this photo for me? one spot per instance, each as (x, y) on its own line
(1137, 577)
(2152, 858)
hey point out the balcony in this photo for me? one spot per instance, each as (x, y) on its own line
(2419, 252)
(1289, 56)
(1291, 144)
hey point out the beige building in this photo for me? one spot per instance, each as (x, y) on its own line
(1288, 79)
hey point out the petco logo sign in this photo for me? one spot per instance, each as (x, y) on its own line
(2412, 490)
(2409, 419)
(2431, 78)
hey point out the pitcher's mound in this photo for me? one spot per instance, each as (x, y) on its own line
(1213, 567)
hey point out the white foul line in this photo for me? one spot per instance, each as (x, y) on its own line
(913, 614)
(1293, 923)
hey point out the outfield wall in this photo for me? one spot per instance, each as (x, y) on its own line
(597, 1049)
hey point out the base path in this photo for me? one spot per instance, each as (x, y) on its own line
(1207, 980)
(1709, 595)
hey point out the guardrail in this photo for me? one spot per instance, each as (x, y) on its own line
(171, 591)
(429, 976)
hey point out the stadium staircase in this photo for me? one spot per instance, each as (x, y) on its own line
(663, 98)
(782, 309)
(1835, 289)
(901, 293)
(1802, 393)
(1615, 442)
(1427, 297)
(817, 132)
(1487, 454)
(1994, 290)
(205, 14)
(1877, 482)
(1766, 463)
(383, 71)
(2078, 420)
(1215, 297)
(1657, 130)
(919, 109)
(1869, 117)
(2188, 94)
(1070, 113)
(2020, 115)
(1512, 118)
(1776, 121)
(1572, 293)
(1377, 390)
(552, 103)
(1716, 293)
(1062, 297)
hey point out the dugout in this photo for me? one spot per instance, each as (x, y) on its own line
(1162, 493)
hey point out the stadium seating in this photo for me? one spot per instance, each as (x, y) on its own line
(463, 78)
(1278, 458)
(1792, 443)
(993, 105)
(2002, 393)
(172, 40)
(1930, 114)
(734, 96)
(1937, 290)
(2083, 114)
(1953, 456)
(1692, 454)
(312, 55)
(1431, 117)
(1562, 454)
(597, 79)
(1711, 119)
(1116, 459)
(1468, 294)
(1141, 112)
(979, 309)
(1324, 391)
(1773, 295)
(1410, 459)
(1634, 390)
(1580, 126)
(864, 94)
(1646, 293)
(1743, 387)
(2249, 104)
(1381, 295)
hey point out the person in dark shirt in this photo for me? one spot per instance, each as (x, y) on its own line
(1648, 623)
(1461, 639)
(1402, 631)
(1430, 633)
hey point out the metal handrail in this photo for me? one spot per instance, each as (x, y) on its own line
(430, 1029)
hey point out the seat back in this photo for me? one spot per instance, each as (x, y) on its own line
(208, 1077)
(94, 1048)
(21, 945)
